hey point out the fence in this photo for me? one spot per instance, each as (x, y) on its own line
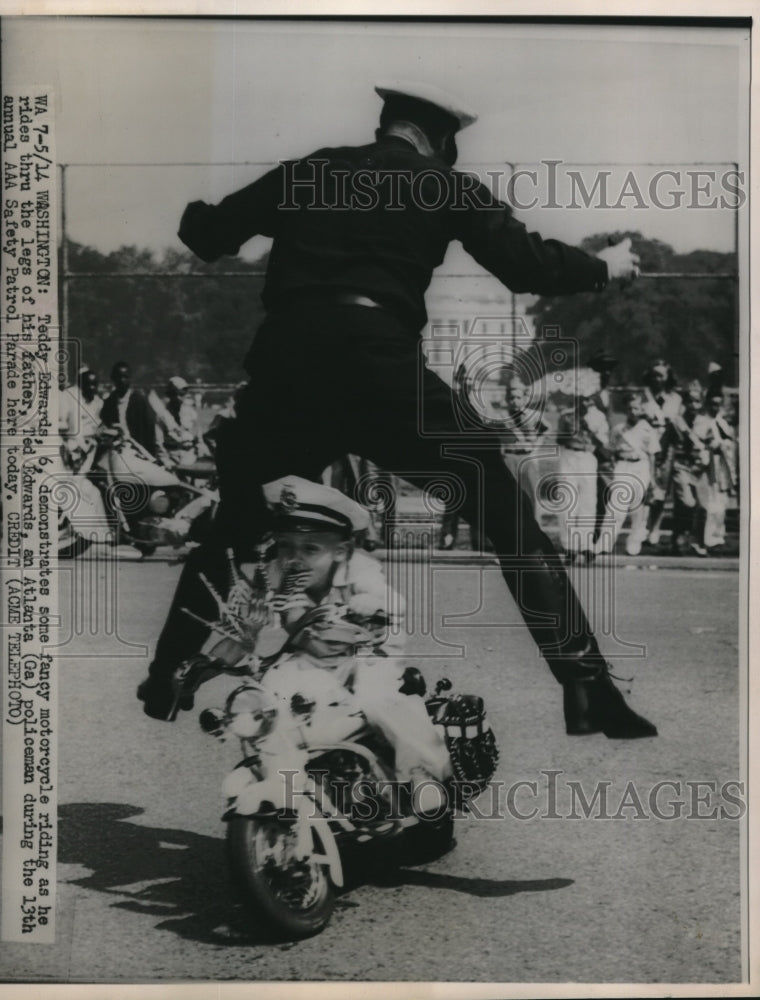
(472, 317)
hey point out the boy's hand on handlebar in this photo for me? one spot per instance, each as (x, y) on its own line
(283, 603)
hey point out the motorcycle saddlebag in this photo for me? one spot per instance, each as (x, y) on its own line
(469, 739)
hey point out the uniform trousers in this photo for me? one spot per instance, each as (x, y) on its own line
(331, 379)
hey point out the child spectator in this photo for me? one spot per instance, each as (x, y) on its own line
(633, 444)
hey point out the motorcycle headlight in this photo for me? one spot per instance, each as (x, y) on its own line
(159, 502)
(251, 712)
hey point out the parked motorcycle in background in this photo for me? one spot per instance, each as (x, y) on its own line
(115, 493)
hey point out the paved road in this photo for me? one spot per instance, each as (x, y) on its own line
(142, 887)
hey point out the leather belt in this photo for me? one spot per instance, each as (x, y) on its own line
(348, 299)
(328, 297)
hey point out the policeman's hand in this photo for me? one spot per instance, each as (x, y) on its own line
(621, 261)
(193, 215)
(195, 231)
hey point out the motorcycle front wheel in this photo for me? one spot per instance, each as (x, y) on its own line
(295, 898)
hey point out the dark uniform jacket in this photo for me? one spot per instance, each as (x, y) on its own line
(141, 421)
(376, 220)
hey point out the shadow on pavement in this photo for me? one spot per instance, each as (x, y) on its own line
(181, 877)
(483, 887)
(160, 872)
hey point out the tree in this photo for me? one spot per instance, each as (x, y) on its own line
(687, 321)
(167, 316)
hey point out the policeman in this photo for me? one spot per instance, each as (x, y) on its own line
(357, 233)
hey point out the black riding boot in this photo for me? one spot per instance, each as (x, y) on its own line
(182, 636)
(592, 703)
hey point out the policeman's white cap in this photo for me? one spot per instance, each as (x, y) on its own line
(178, 382)
(430, 95)
(301, 505)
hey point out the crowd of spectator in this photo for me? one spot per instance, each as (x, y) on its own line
(167, 428)
(616, 455)
(622, 455)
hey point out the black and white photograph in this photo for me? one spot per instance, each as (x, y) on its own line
(376, 492)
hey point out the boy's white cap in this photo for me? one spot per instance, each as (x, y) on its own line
(430, 95)
(305, 505)
(178, 382)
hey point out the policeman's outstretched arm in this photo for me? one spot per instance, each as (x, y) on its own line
(211, 231)
(524, 261)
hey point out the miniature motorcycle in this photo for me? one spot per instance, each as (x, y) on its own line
(121, 494)
(315, 779)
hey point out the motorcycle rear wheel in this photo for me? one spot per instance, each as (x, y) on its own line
(297, 900)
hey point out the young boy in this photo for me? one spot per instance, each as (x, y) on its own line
(339, 659)
(634, 444)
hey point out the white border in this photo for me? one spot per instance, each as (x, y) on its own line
(750, 567)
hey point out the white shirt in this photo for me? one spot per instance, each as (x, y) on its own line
(658, 414)
(79, 418)
(634, 442)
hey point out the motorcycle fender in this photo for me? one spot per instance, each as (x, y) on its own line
(332, 854)
(250, 795)
(236, 782)
(309, 824)
(249, 798)
(196, 507)
(148, 471)
(88, 515)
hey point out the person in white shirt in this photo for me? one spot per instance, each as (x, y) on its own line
(687, 436)
(178, 441)
(662, 405)
(633, 445)
(520, 434)
(581, 431)
(81, 407)
(719, 479)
